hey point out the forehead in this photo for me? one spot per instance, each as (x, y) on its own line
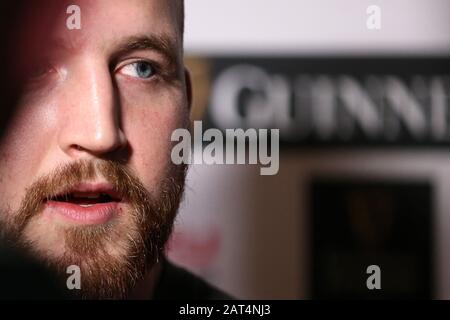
(102, 22)
(109, 20)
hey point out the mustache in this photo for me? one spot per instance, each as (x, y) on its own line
(66, 177)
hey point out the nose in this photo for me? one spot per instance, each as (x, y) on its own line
(91, 112)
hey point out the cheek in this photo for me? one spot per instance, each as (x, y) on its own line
(148, 125)
(22, 146)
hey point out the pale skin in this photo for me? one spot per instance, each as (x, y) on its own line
(92, 102)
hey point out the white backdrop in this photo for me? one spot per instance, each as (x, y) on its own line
(322, 26)
(251, 231)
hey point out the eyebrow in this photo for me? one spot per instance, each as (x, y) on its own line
(162, 44)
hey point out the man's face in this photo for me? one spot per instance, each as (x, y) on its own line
(85, 170)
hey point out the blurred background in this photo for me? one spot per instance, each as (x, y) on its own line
(361, 96)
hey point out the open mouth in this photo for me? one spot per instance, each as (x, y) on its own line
(85, 199)
(87, 195)
(86, 203)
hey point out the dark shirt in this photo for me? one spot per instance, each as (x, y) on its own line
(23, 278)
(176, 283)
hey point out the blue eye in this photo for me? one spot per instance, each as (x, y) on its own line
(139, 69)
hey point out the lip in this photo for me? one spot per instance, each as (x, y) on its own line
(97, 213)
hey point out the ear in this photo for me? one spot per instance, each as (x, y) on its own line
(188, 81)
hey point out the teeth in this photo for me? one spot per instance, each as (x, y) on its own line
(85, 205)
